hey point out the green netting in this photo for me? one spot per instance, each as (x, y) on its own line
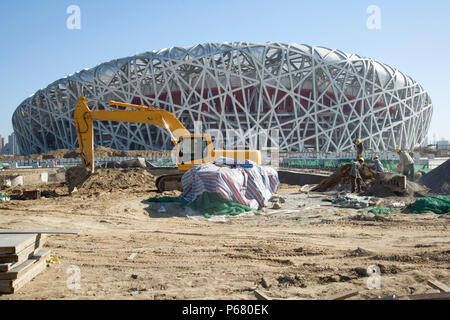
(308, 217)
(167, 199)
(381, 210)
(212, 204)
(438, 204)
(4, 197)
(390, 165)
(209, 204)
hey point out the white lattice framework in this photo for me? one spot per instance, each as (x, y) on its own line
(315, 97)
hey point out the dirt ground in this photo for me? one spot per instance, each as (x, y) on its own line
(324, 252)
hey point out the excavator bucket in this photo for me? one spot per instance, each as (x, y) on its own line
(76, 176)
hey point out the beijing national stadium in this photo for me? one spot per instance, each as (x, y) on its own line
(317, 98)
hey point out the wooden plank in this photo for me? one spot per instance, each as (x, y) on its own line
(18, 271)
(13, 243)
(11, 286)
(438, 285)
(423, 296)
(343, 295)
(24, 254)
(428, 296)
(261, 296)
(26, 231)
(6, 266)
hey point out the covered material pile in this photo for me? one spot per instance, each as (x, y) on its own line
(438, 204)
(239, 181)
(438, 179)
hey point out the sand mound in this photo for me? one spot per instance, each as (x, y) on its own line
(342, 176)
(107, 179)
(438, 179)
(412, 189)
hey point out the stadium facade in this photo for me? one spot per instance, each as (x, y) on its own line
(315, 97)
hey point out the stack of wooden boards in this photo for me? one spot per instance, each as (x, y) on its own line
(22, 257)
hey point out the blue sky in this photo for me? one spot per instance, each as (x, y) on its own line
(38, 48)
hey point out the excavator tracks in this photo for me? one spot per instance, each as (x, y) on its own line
(169, 182)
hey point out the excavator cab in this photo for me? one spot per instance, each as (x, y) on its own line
(193, 150)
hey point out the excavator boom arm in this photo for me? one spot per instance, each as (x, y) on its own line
(84, 117)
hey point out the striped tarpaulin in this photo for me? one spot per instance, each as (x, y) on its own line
(241, 181)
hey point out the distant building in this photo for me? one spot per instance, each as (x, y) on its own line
(9, 148)
(443, 145)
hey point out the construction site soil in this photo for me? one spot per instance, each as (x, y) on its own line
(100, 152)
(127, 250)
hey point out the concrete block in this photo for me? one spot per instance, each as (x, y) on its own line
(44, 177)
(16, 181)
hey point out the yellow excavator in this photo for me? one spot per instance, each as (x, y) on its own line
(191, 149)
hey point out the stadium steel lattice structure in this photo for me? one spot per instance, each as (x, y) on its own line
(315, 97)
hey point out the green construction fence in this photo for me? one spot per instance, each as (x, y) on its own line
(333, 164)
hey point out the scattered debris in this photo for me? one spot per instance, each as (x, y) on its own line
(31, 194)
(308, 217)
(131, 256)
(134, 163)
(53, 260)
(4, 197)
(265, 284)
(400, 204)
(368, 217)
(379, 210)
(359, 252)
(349, 200)
(360, 272)
(276, 205)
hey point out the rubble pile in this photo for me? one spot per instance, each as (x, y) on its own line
(342, 176)
(438, 179)
(107, 179)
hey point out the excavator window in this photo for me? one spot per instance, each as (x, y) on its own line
(192, 149)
